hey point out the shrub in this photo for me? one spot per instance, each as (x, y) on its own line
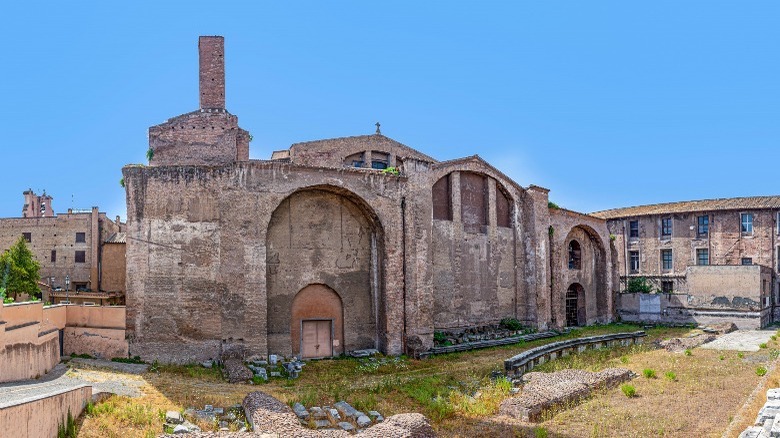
(761, 371)
(774, 354)
(722, 357)
(688, 352)
(670, 375)
(740, 355)
(628, 390)
(540, 432)
(553, 205)
(639, 285)
(762, 345)
(624, 359)
(134, 359)
(774, 337)
(439, 338)
(649, 373)
(511, 324)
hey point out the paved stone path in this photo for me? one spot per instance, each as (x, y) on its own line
(64, 378)
(740, 340)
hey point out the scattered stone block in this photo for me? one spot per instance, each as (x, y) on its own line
(180, 429)
(207, 364)
(347, 427)
(319, 424)
(345, 409)
(273, 359)
(173, 417)
(333, 415)
(376, 416)
(301, 411)
(363, 421)
(318, 413)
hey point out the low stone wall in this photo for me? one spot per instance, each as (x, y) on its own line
(520, 364)
(675, 309)
(27, 360)
(40, 416)
(475, 345)
(98, 342)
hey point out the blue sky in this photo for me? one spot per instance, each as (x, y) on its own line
(607, 104)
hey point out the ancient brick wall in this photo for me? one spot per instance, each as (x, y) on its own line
(592, 270)
(114, 267)
(197, 263)
(343, 152)
(212, 71)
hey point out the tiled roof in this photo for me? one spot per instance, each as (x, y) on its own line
(117, 238)
(748, 203)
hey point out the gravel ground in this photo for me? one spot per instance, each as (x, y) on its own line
(78, 372)
(741, 340)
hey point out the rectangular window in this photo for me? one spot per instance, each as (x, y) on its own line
(666, 227)
(703, 229)
(666, 259)
(667, 286)
(81, 256)
(27, 237)
(633, 229)
(81, 237)
(379, 164)
(747, 223)
(747, 261)
(634, 260)
(53, 256)
(702, 257)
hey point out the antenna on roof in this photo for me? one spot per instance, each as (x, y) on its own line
(377, 128)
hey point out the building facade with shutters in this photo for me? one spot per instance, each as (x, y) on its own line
(695, 250)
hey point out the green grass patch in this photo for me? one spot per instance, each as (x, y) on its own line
(628, 390)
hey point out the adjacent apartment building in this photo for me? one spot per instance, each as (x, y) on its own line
(716, 257)
(71, 245)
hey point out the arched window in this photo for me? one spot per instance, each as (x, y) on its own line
(442, 200)
(575, 255)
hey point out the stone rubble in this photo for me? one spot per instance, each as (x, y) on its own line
(542, 392)
(230, 418)
(768, 420)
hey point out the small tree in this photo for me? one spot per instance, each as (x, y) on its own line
(20, 270)
(639, 284)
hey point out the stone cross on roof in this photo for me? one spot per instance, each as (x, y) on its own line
(377, 128)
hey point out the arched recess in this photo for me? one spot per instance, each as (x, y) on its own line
(331, 237)
(576, 305)
(585, 264)
(317, 322)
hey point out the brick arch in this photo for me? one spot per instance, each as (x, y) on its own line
(590, 272)
(474, 199)
(317, 302)
(328, 236)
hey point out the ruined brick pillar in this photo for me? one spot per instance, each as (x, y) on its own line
(212, 72)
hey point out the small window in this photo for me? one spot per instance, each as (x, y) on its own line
(667, 286)
(666, 259)
(747, 261)
(53, 256)
(27, 237)
(634, 260)
(763, 285)
(357, 163)
(81, 237)
(81, 256)
(575, 255)
(703, 229)
(747, 223)
(376, 164)
(666, 227)
(633, 229)
(702, 257)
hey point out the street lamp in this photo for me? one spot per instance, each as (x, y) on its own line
(67, 288)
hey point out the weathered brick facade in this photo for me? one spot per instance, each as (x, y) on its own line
(223, 250)
(709, 233)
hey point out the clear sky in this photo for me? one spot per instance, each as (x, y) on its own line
(607, 104)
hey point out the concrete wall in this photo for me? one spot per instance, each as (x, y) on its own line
(40, 416)
(29, 336)
(739, 294)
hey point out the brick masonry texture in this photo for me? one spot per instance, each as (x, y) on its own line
(219, 246)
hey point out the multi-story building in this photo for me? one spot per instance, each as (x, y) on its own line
(719, 254)
(68, 245)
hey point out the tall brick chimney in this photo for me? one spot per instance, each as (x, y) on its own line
(212, 72)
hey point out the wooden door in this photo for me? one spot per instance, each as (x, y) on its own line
(316, 338)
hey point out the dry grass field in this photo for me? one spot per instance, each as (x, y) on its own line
(690, 395)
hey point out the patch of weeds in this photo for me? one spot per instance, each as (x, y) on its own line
(134, 359)
(257, 380)
(68, 428)
(628, 390)
(762, 345)
(761, 371)
(774, 337)
(540, 432)
(688, 352)
(431, 392)
(774, 354)
(648, 373)
(90, 408)
(624, 359)
(671, 376)
(81, 356)
(722, 357)
(740, 355)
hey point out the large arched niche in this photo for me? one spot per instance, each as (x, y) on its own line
(473, 250)
(584, 262)
(326, 236)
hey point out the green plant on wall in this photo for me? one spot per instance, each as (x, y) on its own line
(150, 154)
(553, 205)
(639, 285)
(391, 171)
(122, 182)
